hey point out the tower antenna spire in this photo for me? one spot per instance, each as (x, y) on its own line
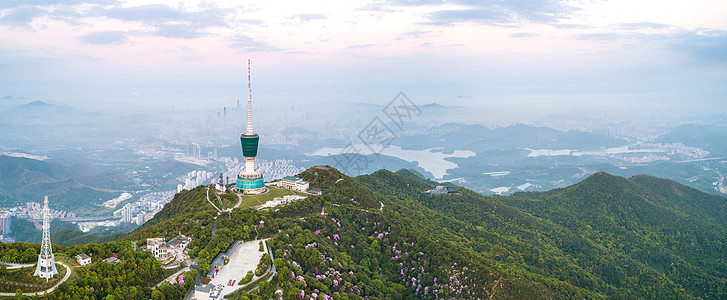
(249, 102)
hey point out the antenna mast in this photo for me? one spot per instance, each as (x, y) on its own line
(249, 102)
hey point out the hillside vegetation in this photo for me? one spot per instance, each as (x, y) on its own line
(378, 236)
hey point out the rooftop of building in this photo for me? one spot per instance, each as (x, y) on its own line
(113, 260)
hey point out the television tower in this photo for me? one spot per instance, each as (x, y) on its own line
(46, 267)
(249, 181)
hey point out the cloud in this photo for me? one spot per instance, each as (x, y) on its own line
(184, 31)
(166, 21)
(22, 16)
(22, 3)
(105, 38)
(523, 35)
(360, 46)
(248, 44)
(477, 15)
(600, 36)
(169, 22)
(571, 26)
(412, 34)
(302, 18)
(641, 25)
(495, 12)
(704, 45)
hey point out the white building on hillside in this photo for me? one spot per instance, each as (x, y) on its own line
(83, 259)
(293, 183)
(158, 247)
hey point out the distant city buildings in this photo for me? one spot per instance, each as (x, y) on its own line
(34, 210)
(194, 179)
(142, 218)
(193, 149)
(127, 214)
(5, 223)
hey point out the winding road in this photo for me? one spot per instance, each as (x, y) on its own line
(50, 290)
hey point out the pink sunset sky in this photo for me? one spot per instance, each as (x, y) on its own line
(111, 53)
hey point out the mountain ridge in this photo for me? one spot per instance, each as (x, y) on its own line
(380, 236)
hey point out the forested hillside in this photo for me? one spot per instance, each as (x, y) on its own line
(378, 236)
(28, 180)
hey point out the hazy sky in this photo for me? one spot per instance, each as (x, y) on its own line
(547, 53)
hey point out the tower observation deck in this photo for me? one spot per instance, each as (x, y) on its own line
(249, 181)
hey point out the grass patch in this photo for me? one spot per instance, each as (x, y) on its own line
(228, 200)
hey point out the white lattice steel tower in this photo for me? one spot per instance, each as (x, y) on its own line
(46, 267)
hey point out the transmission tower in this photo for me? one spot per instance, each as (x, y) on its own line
(46, 267)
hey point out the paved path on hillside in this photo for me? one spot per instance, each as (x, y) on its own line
(208, 200)
(48, 291)
(13, 266)
(239, 196)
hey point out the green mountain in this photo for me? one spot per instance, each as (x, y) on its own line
(378, 236)
(674, 233)
(69, 187)
(607, 236)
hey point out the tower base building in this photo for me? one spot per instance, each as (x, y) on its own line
(250, 183)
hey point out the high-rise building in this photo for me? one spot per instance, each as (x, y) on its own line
(126, 214)
(5, 218)
(249, 181)
(46, 267)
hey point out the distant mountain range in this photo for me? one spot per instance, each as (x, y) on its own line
(709, 137)
(68, 187)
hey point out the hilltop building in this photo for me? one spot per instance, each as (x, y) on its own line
(113, 260)
(158, 247)
(293, 183)
(250, 181)
(167, 252)
(441, 190)
(46, 266)
(83, 259)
